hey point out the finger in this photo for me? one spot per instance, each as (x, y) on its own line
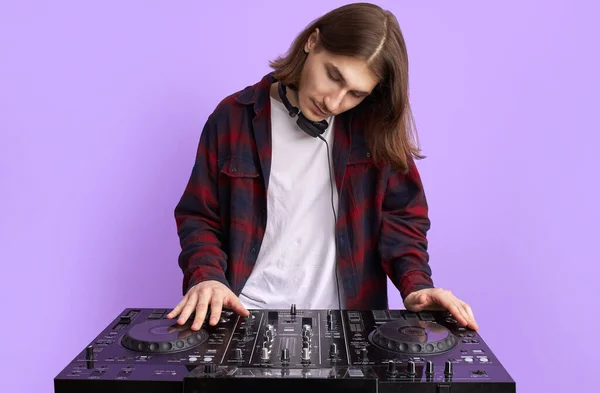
(465, 316)
(456, 313)
(233, 302)
(473, 324)
(216, 305)
(175, 312)
(201, 309)
(187, 309)
(175, 328)
(454, 305)
(460, 314)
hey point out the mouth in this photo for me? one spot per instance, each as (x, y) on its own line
(318, 110)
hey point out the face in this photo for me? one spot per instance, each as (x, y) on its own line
(331, 84)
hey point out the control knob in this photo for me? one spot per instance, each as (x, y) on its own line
(391, 369)
(269, 334)
(448, 368)
(429, 368)
(410, 368)
(89, 357)
(363, 354)
(237, 354)
(89, 353)
(264, 354)
(305, 355)
(210, 368)
(333, 350)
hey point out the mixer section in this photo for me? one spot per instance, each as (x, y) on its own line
(288, 338)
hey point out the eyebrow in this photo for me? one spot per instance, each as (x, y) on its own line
(341, 76)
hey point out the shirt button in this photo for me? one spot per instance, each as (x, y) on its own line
(233, 169)
(253, 250)
(368, 154)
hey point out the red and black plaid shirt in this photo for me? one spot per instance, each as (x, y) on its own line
(222, 215)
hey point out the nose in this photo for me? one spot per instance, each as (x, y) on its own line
(333, 101)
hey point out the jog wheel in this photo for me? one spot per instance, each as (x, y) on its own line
(162, 336)
(413, 337)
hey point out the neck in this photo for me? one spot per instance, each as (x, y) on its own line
(292, 95)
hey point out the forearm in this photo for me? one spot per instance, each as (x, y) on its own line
(202, 257)
(198, 219)
(403, 242)
(404, 253)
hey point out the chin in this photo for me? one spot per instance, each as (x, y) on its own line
(310, 112)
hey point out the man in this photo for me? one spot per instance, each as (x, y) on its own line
(273, 215)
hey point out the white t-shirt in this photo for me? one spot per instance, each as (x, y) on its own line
(297, 260)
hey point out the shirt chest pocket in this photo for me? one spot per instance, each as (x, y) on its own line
(239, 186)
(359, 160)
(361, 175)
(238, 168)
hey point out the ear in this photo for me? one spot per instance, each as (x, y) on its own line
(312, 40)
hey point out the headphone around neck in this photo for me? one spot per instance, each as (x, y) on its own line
(312, 128)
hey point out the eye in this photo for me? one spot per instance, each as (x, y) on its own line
(332, 78)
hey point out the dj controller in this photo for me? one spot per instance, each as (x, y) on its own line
(291, 350)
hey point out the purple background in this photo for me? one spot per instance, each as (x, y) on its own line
(102, 105)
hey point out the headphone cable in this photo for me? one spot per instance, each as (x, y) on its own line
(331, 184)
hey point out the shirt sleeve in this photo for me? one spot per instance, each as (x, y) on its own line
(197, 217)
(405, 222)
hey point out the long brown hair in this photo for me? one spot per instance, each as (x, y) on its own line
(373, 34)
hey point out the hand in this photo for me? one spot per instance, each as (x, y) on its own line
(438, 299)
(199, 297)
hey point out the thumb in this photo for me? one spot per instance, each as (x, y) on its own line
(234, 303)
(418, 301)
